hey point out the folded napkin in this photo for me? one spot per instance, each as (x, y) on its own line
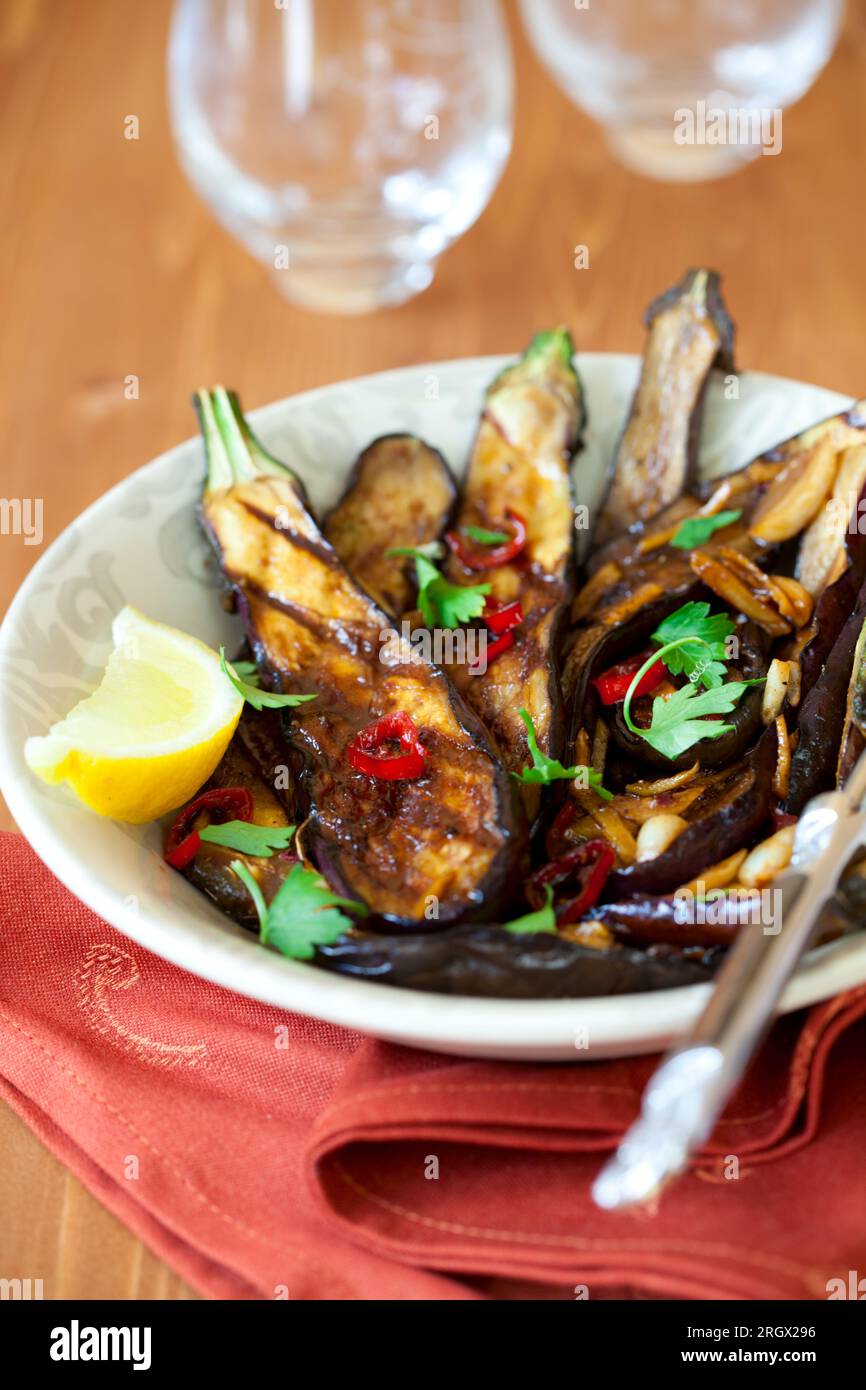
(264, 1155)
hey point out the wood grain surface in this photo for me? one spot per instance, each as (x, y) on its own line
(109, 266)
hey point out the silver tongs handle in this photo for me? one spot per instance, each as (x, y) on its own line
(689, 1090)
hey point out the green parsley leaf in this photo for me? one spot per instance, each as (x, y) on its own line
(248, 671)
(678, 722)
(703, 659)
(697, 529)
(542, 920)
(444, 604)
(259, 699)
(302, 915)
(545, 770)
(478, 533)
(246, 838)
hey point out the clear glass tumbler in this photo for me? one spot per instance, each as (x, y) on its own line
(685, 89)
(346, 143)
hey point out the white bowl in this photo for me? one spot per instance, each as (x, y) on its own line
(140, 544)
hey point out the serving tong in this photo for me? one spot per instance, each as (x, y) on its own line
(690, 1088)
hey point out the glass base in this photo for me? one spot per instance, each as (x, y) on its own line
(354, 289)
(652, 151)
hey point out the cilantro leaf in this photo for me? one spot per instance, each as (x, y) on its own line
(542, 920)
(248, 671)
(679, 721)
(703, 659)
(246, 838)
(545, 770)
(444, 604)
(483, 537)
(303, 914)
(697, 529)
(259, 699)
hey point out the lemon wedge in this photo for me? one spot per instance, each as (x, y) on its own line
(153, 730)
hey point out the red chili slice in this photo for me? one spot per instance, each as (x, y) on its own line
(501, 617)
(585, 868)
(185, 852)
(612, 685)
(491, 652)
(489, 557)
(557, 841)
(365, 753)
(220, 804)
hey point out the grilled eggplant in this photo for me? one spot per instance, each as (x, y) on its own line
(822, 725)
(400, 493)
(211, 870)
(487, 962)
(739, 809)
(853, 741)
(449, 847)
(417, 852)
(745, 720)
(689, 333)
(520, 468)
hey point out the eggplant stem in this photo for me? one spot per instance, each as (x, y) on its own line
(233, 453)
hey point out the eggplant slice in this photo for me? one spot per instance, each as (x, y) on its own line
(451, 849)
(400, 493)
(637, 579)
(250, 761)
(521, 463)
(689, 333)
(824, 719)
(420, 852)
(488, 963)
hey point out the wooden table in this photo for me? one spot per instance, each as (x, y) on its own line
(109, 266)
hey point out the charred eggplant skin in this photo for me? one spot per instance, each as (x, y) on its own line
(690, 332)
(521, 463)
(400, 493)
(488, 962)
(823, 716)
(419, 852)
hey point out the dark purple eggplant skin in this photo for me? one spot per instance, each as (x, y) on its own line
(489, 962)
(646, 919)
(822, 717)
(642, 921)
(742, 808)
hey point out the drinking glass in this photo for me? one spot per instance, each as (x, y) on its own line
(346, 143)
(685, 89)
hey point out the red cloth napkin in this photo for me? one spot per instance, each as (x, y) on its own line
(265, 1155)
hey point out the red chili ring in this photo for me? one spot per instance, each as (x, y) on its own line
(221, 804)
(474, 559)
(596, 858)
(399, 728)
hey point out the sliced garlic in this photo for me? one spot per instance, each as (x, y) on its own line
(657, 834)
(768, 858)
(775, 689)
